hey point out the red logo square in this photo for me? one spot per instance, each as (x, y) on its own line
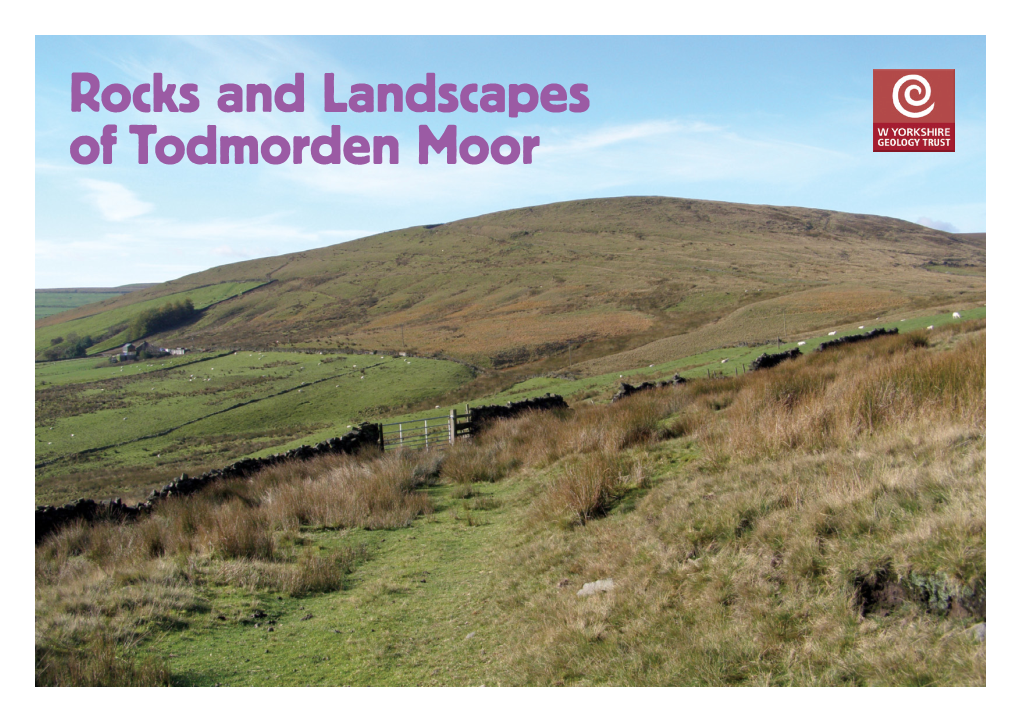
(914, 111)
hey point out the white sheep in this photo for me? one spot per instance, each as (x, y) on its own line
(801, 342)
(860, 327)
(832, 332)
(930, 327)
(956, 315)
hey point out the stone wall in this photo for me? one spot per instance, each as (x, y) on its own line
(483, 415)
(626, 389)
(51, 518)
(857, 338)
(769, 360)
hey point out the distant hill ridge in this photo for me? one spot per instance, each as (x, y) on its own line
(582, 279)
(130, 288)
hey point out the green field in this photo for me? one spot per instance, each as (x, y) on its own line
(47, 304)
(600, 387)
(112, 323)
(154, 418)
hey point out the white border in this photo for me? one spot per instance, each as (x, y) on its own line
(521, 17)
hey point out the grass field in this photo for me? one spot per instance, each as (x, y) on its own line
(820, 523)
(112, 322)
(288, 400)
(156, 418)
(47, 303)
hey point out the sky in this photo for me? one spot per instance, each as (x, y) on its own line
(764, 120)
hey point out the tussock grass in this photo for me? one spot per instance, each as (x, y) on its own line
(584, 489)
(103, 586)
(749, 564)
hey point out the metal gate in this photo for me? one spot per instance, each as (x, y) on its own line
(426, 433)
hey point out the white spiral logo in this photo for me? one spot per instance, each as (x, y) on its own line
(907, 95)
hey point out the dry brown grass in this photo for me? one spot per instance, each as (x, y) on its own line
(585, 489)
(745, 565)
(101, 587)
(741, 520)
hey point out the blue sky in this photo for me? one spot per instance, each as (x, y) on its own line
(776, 120)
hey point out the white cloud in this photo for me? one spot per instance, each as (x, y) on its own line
(658, 154)
(114, 201)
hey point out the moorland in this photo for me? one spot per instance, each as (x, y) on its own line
(821, 522)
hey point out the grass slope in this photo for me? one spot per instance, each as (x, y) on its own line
(51, 303)
(104, 405)
(154, 419)
(600, 275)
(820, 523)
(108, 319)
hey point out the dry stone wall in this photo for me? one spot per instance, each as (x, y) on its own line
(51, 518)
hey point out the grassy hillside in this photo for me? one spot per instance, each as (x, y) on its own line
(107, 322)
(600, 276)
(50, 301)
(107, 430)
(120, 430)
(819, 523)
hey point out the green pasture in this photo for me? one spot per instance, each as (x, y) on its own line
(89, 370)
(98, 324)
(47, 304)
(208, 411)
(204, 411)
(599, 387)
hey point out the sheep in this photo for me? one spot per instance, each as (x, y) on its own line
(930, 327)
(801, 342)
(860, 327)
(956, 315)
(832, 332)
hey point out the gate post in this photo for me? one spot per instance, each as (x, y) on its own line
(453, 425)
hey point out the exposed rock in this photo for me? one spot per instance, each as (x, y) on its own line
(593, 587)
(978, 632)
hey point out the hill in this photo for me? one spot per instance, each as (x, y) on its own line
(598, 276)
(50, 301)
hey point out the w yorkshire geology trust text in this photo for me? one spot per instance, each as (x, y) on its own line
(88, 94)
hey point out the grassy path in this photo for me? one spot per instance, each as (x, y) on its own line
(405, 618)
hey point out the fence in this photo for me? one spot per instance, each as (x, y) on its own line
(425, 433)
